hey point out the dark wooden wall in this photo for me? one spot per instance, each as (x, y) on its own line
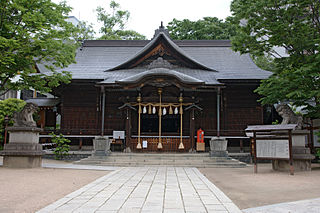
(239, 109)
(81, 110)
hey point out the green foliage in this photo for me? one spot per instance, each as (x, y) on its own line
(114, 24)
(265, 25)
(8, 107)
(31, 32)
(317, 154)
(85, 31)
(203, 29)
(265, 62)
(275, 122)
(62, 146)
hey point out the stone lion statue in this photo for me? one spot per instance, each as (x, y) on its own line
(24, 118)
(289, 117)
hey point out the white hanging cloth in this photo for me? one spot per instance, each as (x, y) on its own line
(144, 110)
(164, 111)
(176, 111)
(154, 110)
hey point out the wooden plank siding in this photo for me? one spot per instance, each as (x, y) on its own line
(239, 109)
(81, 111)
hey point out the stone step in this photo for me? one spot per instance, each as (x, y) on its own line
(200, 165)
(166, 159)
(213, 165)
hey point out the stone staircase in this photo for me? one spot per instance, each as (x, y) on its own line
(200, 160)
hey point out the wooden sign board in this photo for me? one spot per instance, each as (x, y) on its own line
(118, 134)
(144, 144)
(273, 149)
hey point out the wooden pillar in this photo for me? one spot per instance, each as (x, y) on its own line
(103, 109)
(311, 145)
(218, 112)
(192, 129)
(139, 121)
(241, 145)
(255, 152)
(290, 152)
(80, 143)
(160, 114)
(128, 127)
(181, 146)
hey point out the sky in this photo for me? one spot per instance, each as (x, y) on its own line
(146, 15)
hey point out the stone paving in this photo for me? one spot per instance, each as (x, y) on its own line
(301, 206)
(147, 189)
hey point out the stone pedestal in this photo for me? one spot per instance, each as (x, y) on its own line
(301, 160)
(101, 146)
(301, 155)
(218, 147)
(23, 149)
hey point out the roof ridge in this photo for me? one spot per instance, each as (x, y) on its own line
(142, 43)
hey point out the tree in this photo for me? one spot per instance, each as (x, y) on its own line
(264, 26)
(31, 32)
(114, 23)
(85, 31)
(204, 29)
(7, 108)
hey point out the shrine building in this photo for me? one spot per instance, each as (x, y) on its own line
(160, 91)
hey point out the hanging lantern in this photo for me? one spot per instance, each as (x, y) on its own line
(164, 111)
(176, 111)
(144, 111)
(154, 110)
(150, 110)
(170, 110)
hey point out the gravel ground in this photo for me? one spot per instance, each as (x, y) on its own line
(28, 190)
(248, 190)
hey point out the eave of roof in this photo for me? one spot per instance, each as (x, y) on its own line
(161, 72)
(44, 102)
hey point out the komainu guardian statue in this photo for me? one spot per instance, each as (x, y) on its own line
(24, 118)
(289, 117)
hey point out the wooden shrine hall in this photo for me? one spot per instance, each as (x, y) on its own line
(159, 92)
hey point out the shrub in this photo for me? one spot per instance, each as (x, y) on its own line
(62, 146)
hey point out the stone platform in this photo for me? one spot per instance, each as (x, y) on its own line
(23, 149)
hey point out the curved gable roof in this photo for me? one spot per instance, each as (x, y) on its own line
(159, 39)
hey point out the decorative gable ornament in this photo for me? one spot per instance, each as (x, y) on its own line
(160, 63)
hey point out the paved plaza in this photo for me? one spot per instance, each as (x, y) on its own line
(302, 206)
(147, 189)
